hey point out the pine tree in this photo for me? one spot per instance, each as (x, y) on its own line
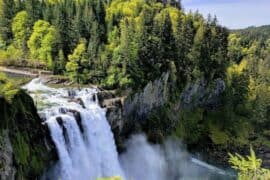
(88, 20)
(7, 11)
(147, 42)
(60, 63)
(64, 15)
(93, 44)
(77, 66)
(100, 14)
(184, 41)
(33, 8)
(166, 46)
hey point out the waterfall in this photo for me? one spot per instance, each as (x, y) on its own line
(86, 146)
(56, 133)
(81, 133)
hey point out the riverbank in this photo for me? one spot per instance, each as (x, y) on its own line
(23, 71)
(24, 75)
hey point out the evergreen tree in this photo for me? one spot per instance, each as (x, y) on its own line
(100, 13)
(64, 15)
(33, 8)
(60, 63)
(77, 63)
(184, 43)
(7, 11)
(147, 42)
(88, 20)
(93, 45)
(166, 47)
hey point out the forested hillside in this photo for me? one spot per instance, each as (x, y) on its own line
(118, 43)
(254, 33)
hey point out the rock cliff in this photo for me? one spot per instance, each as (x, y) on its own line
(26, 149)
(145, 109)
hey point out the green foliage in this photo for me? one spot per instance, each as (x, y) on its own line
(60, 63)
(235, 50)
(7, 88)
(33, 9)
(160, 123)
(77, 64)
(218, 136)
(11, 56)
(254, 33)
(21, 30)
(7, 8)
(190, 127)
(249, 167)
(43, 42)
(21, 149)
(247, 77)
(128, 43)
(209, 50)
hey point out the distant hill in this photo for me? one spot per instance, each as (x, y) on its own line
(254, 33)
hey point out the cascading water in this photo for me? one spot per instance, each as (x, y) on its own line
(86, 147)
(87, 152)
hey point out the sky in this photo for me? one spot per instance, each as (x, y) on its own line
(233, 14)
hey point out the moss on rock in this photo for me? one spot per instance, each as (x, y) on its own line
(33, 149)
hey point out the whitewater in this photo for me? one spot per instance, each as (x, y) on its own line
(86, 146)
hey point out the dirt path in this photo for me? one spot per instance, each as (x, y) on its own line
(23, 71)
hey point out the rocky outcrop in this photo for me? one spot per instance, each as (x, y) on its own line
(127, 115)
(31, 147)
(7, 169)
(203, 94)
(114, 106)
(154, 107)
(55, 80)
(139, 106)
(103, 96)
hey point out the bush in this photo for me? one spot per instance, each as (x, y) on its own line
(249, 167)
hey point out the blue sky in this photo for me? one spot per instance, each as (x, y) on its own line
(233, 13)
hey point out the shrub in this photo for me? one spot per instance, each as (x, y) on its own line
(249, 167)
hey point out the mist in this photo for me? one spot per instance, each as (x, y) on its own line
(170, 161)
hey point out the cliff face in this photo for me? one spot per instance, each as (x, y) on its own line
(202, 94)
(155, 110)
(154, 95)
(7, 169)
(25, 143)
(158, 112)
